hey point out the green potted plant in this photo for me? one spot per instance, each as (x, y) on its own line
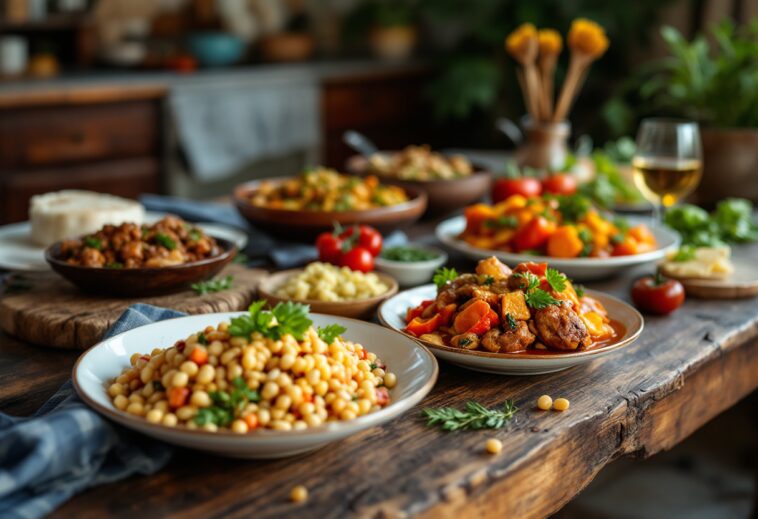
(392, 29)
(715, 84)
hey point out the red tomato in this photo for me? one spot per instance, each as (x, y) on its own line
(560, 184)
(525, 186)
(358, 258)
(329, 247)
(534, 234)
(657, 295)
(368, 237)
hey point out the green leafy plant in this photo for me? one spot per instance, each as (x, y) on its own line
(285, 318)
(443, 275)
(330, 332)
(731, 222)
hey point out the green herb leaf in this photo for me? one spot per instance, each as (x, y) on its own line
(474, 416)
(488, 280)
(201, 338)
(685, 253)
(115, 265)
(443, 276)
(285, 318)
(213, 285)
(195, 234)
(511, 321)
(539, 299)
(556, 280)
(165, 241)
(407, 254)
(330, 332)
(579, 289)
(573, 207)
(505, 221)
(532, 281)
(240, 259)
(93, 243)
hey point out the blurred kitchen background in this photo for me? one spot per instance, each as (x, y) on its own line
(189, 97)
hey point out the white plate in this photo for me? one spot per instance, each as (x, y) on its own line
(392, 314)
(578, 269)
(415, 367)
(18, 252)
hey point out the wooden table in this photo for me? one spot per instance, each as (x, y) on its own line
(684, 370)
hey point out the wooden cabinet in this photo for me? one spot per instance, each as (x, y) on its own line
(387, 107)
(106, 145)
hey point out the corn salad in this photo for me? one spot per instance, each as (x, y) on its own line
(218, 380)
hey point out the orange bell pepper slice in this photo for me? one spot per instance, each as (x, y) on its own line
(419, 326)
(471, 315)
(446, 313)
(534, 234)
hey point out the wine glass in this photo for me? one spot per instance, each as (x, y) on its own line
(668, 162)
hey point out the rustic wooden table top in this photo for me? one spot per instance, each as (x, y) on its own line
(683, 371)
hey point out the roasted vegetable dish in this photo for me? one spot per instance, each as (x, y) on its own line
(168, 242)
(419, 163)
(327, 190)
(268, 369)
(499, 310)
(558, 226)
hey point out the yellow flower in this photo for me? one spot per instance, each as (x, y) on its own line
(550, 41)
(588, 37)
(518, 41)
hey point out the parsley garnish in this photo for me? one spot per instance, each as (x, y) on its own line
(464, 341)
(158, 385)
(202, 339)
(488, 280)
(579, 289)
(532, 281)
(586, 236)
(330, 332)
(511, 321)
(165, 240)
(539, 299)
(226, 406)
(508, 221)
(93, 243)
(474, 416)
(195, 234)
(686, 253)
(573, 207)
(285, 318)
(213, 285)
(443, 276)
(556, 280)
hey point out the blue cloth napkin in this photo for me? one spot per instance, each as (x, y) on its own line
(66, 447)
(261, 248)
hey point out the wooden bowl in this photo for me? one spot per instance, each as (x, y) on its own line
(445, 196)
(306, 225)
(356, 309)
(140, 282)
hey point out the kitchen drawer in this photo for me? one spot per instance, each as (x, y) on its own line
(127, 177)
(352, 104)
(70, 134)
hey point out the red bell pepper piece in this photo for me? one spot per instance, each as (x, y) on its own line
(412, 313)
(494, 319)
(538, 269)
(419, 326)
(482, 326)
(446, 313)
(534, 234)
(471, 315)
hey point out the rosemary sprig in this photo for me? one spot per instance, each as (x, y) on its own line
(474, 416)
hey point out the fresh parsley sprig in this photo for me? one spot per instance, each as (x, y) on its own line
(474, 416)
(165, 240)
(535, 296)
(227, 405)
(285, 318)
(443, 276)
(556, 280)
(330, 332)
(213, 285)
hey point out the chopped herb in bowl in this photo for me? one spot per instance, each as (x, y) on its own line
(408, 254)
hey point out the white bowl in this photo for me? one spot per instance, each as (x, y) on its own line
(415, 367)
(412, 273)
(578, 269)
(392, 314)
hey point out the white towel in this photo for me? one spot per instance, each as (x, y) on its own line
(227, 124)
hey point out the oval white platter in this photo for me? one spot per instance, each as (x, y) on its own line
(415, 367)
(578, 269)
(392, 314)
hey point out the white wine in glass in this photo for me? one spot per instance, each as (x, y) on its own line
(668, 163)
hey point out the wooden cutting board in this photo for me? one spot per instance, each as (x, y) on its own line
(43, 308)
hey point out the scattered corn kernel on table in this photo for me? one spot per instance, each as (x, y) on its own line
(683, 371)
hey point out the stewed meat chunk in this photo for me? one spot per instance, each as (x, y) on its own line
(559, 327)
(510, 341)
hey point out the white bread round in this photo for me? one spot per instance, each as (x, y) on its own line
(68, 214)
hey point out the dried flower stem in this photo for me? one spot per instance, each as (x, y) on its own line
(547, 65)
(576, 75)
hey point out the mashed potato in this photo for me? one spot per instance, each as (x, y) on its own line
(326, 282)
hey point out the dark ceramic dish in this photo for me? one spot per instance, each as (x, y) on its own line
(445, 196)
(141, 281)
(306, 225)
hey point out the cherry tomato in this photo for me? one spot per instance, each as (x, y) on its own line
(368, 237)
(329, 247)
(358, 258)
(560, 184)
(534, 234)
(657, 295)
(525, 186)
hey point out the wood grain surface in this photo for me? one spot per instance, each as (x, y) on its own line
(50, 311)
(684, 370)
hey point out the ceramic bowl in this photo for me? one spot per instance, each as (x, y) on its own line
(578, 269)
(357, 309)
(412, 273)
(445, 196)
(306, 225)
(415, 367)
(392, 314)
(141, 281)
